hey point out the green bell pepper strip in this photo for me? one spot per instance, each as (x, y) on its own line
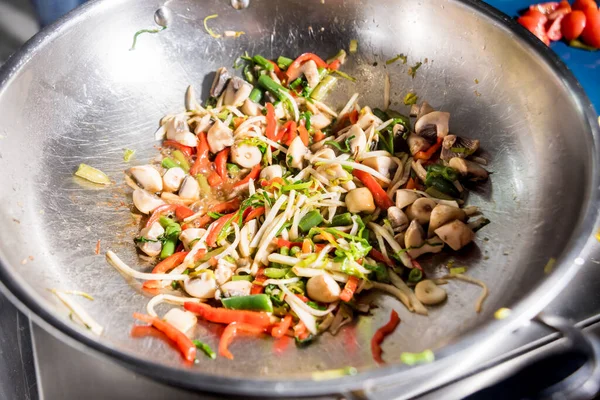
(253, 302)
(275, 273)
(269, 84)
(169, 163)
(180, 158)
(442, 185)
(342, 220)
(248, 278)
(311, 219)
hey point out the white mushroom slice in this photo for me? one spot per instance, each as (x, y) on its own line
(358, 143)
(219, 136)
(245, 155)
(367, 118)
(189, 236)
(414, 235)
(439, 119)
(360, 200)
(397, 218)
(419, 110)
(296, 153)
(383, 165)
(172, 179)
(145, 202)
(224, 271)
(405, 197)
(271, 172)
(251, 108)
(176, 126)
(311, 72)
(416, 144)
(442, 214)
(319, 121)
(334, 171)
(456, 234)
(469, 168)
(152, 232)
(182, 320)
(204, 124)
(349, 185)
(202, 287)
(429, 293)
(237, 92)
(186, 139)
(236, 288)
(421, 210)
(325, 153)
(148, 177)
(323, 288)
(190, 189)
(433, 245)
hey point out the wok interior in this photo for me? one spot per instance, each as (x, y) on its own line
(84, 97)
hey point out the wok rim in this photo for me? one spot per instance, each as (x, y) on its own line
(14, 286)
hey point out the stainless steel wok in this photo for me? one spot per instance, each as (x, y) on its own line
(76, 93)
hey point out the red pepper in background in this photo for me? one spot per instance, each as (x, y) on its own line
(534, 21)
(165, 266)
(226, 316)
(232, 330)
(214, 179)
(257, 212)
(182, 212)
(187, 150)
(289, 126)
(252, 175)
(211, 239)
(380, 334)
(227, 206)
(304, 135)
(573, 25)
(381, 198)
(159, 211)
(202, 155)
(564, 8)
(281, 328)
(185, 345)
(545, 8)
(293, 70)
(257, 287)
(411, 184)
(349, 289)
(221, 163)
(353, 116)
(427, 154)
(335, 65)
(378, 256)
(554, 30)
(584, 5)
(271, 122)
(318, 136)
(300, 331)
(591, 32)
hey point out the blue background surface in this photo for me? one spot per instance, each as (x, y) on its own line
(585, 65)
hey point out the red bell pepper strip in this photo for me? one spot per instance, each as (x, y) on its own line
(304, 135)
(335, 65)
(277, 70)
(271, 122)
(563, 9)
(187, 150)
(380, 334)
(202, 155)
(292, 133)
(211, 239)
(228, 206)
(318, 136)
(182, 212)
(257, 212)
(281, 328)
(378, 256)
(353, 116)
(545, 8)
(381, 198)
(300, 331)
(227, 316)
(214, 179)
(252, 175)
(221, 163)
(573, 25)
(286, 130)
(141, 331)
(232, 330)
(411, 184)
(591, 32)
(159, 211)
(185, 345)
(534, 21)
(427, 154)
(554, 30)
(165, 266)
(293, 70)
(257, 287)
(349, 289)
(203, 221)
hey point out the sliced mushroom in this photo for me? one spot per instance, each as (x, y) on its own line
(145, 202)
(350, 185)
(325, 153)
(323, 288)
(201, 287)
(367, 118)
(397, 218)
(429, 293)
(182, 320)
(334, 172)
(189, 236)
(438, 120)
(204, 124)
(358, 143)
(219, 136)
(320, 121)
(190, 99)
(469, 168)
(414, 235)
(154, 247)
(454, 146)
(245, 155)
(236, 288)
(311, 72)
(433, 245)
(190, 189)
(420, 210)
(399, 238)
(272, 172)
(251, 108)
(237, 92)
(382, 164)
(405, 197)
(419, 110)
(442, 214)
(360, 200)
(172, 179)
(224, 271)
(219, 82)
(178, 130)
(417, 143)
(456, 234)
(148, 177)
(296, 153)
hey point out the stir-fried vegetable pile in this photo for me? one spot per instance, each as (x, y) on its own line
(271, 212)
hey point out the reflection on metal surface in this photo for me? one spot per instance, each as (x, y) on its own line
(66, 109)
(163, 16)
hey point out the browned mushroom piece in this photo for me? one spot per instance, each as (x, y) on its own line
(418, 111)
(221, 79)
(442, 214)
(433, 125)
(456, 234)
(455, 146)
(417, 143)
(469, 169)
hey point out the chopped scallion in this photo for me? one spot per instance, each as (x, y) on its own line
(92, 174)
